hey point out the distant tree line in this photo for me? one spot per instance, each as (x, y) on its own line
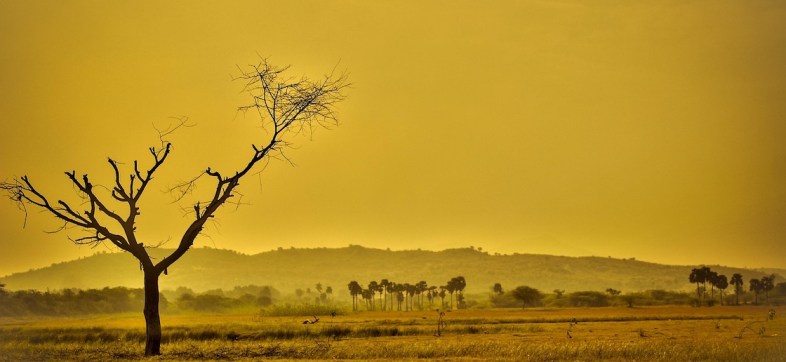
(407, 296)
(525, 296)
(122, 300)
(323, 295)
(703, 276)
(72, 301)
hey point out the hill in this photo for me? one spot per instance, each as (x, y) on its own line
(288, 269)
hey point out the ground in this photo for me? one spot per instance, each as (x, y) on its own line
(744, 333)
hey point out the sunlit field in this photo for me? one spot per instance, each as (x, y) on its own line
(647, 333)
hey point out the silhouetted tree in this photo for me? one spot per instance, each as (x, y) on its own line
(383, 284)
(767, 284)
(442, 294)
(558, 293)
(372, 288)
(755, 287)
(527, 295)
(722, 283)
(699, 276)
(736, 281)
(613, 292)
(498, 288)
(712, 278)
(354, 290)
(287, 107)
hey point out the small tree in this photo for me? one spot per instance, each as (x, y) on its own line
(527, 296)
(498, 289)
(286, 107)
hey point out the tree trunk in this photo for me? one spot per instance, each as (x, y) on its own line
(152, 316)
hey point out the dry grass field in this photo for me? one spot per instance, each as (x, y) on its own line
(618, 334)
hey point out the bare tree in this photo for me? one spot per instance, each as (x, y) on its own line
(286, 107)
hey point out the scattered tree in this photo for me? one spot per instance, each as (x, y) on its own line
(527, 296)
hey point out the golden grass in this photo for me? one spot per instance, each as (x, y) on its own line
(617, 334)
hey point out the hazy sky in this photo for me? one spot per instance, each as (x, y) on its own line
(640, 129)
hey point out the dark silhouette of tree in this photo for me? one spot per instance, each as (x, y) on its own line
(287, 107)
(421, 288)
(527, 296)
(497, 288)
(736, 281)
(442, 294)
(318, 287)
(755, 286)
(712, 278)
(391, 289)
(722, 283)
(329, 291)
(455, 285)
(699, 276)
(372, 288)
(613, 292)
(383, 284)
(354, 290)
(399, 295)
(767, 284)
(558, 293)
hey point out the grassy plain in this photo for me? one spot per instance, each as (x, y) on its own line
(619, 334)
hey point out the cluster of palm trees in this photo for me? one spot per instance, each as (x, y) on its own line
(704, 275)
(406, 296)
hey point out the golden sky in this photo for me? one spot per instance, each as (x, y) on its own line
(640, 129)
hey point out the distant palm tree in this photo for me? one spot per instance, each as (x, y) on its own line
(422, 287)
(354, 290)
(372, 288)
(755, 287)
(722, 283)
(442, 294)
(390, 288)
(712, 278)
(767, 284)
(699, 276)
(736, 281)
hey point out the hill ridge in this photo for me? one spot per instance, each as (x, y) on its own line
(288, 269)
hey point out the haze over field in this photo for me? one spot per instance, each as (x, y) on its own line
(647, 130)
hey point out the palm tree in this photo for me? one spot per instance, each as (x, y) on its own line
(422, 287)
(755, 287)
(383, 285)
(372, 288)
(700, 275)
(767, 284)
(722, 283)
(391, 288)
(461, 283)
(712, 278)
(442, 294)
(354, 290)
(736, 281)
